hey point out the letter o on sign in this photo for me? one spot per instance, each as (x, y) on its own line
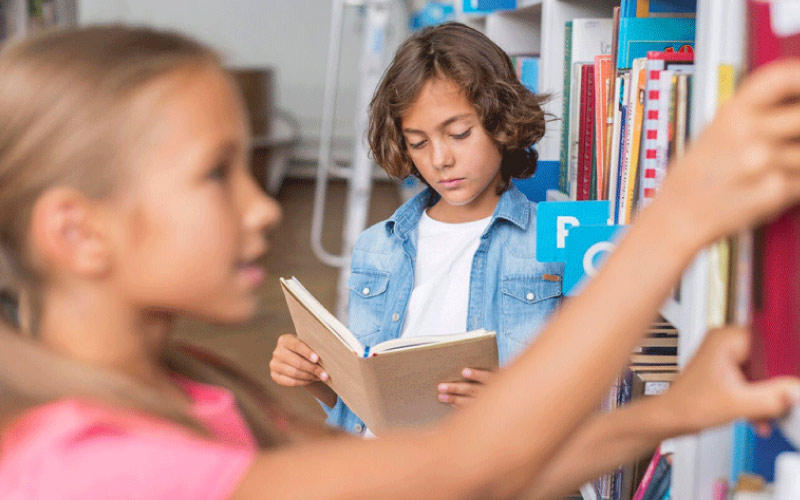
(588, 258)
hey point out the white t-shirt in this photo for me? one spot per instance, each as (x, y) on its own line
(440, 297)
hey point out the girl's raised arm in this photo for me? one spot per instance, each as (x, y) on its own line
(743, 169)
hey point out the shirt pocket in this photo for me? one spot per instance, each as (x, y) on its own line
(367, 300)
(528, 300)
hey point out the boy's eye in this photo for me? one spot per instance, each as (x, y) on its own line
(417, 145)
(462, 135)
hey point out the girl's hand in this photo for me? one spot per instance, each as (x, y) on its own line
(712, 390)
(745, 166)
(458, 394)
(294, 364)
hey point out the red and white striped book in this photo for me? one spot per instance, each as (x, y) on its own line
(654, 153)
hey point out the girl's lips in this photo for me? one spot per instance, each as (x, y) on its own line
(253, 274)
(451, 183)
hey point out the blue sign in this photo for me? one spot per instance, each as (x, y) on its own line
(586, 249)
(556, 219)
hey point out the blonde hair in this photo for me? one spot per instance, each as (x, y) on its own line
(66, 101)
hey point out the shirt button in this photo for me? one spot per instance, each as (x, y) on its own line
(358, 428)
(395, 317)
(365, 291)
(529, 296)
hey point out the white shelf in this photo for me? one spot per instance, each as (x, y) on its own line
(671, 312)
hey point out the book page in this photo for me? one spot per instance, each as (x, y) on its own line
(416, 342)
(323, 315)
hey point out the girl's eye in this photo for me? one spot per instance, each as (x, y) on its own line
(462, 135)
(417, 145)
(219, 173)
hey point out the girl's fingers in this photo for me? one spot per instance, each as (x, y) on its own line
(773, 84)
(782, 124)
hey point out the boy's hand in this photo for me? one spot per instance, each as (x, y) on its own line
(712, 390)
(294, 364)
(458, 394)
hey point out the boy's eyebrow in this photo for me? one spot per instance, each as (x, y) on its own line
(442, 125)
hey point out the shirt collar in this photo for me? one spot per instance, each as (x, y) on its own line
(513, 206)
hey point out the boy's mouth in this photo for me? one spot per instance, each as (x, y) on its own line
(252, 272)
(451, 183)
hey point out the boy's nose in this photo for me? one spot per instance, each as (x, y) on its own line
(441, 156)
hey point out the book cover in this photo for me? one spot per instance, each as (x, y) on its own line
(586, 133)
(774, 31)
(638, 36)
(666, 8)
(392, 384)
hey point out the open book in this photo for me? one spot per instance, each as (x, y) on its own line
(392, 384)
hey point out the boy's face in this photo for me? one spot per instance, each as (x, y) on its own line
(192, 220)
(453, 152)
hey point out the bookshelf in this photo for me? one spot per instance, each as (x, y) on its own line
(537, 27)
(18, 20)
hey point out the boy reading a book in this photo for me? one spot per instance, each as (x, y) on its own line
(461, 255)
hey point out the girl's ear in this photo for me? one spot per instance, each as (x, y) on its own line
(66, 235)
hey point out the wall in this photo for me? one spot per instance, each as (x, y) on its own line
(289, 35)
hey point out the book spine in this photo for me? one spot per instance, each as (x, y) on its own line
(652, 107)
(585, 132)
(563, 173)
(648, 475)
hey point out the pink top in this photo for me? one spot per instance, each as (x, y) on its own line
(71, 450)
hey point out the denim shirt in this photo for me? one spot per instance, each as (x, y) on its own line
(510, 291)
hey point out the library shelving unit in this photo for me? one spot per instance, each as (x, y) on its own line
(537, 27)
(17, 18)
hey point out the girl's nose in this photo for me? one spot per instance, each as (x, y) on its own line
(262, 212)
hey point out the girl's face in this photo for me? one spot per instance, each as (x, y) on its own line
(192, 220)
(453, 152)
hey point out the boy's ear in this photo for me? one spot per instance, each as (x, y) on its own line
(66, 235)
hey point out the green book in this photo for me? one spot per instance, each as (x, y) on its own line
(563, 169)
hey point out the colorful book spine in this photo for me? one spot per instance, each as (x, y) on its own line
(563, 171)
(602, 88)
(648, 475)
(586, 133)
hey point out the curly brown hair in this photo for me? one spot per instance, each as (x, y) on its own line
(509, 112)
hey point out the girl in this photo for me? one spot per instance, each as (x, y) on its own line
(125, 201)
(451, 111)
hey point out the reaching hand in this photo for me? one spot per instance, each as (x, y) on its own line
(712, 390)
(745, 166)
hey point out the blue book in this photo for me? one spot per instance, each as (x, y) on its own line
(530, 73)
(657, 8)
(627, 8)
(478, 6)
(639, 35)
(535, 187)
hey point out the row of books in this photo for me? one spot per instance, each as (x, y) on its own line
(627, 82)
(652, 368)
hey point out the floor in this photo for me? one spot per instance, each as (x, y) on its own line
(251, 345)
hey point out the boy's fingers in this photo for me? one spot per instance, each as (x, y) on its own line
(475, 375)
(458, 389)
(453, 400)
(292, 372)
(296, 361)
(296, 345)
